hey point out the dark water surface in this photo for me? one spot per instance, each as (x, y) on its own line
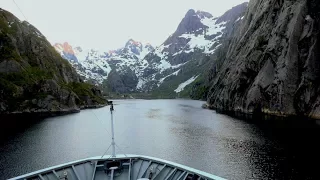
(175, 130)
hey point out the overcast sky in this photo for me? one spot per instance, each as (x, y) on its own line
(108, 24)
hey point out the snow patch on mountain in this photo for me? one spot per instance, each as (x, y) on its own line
(173, 74)
(160, 51)
(81, 54)
(213, 27)
(186, 83)
(240, 18)
(178, 65)
(199, 42)
(141, 82)
(164, 65)
(143, 53)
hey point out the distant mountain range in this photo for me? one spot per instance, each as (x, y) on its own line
(96, 65)
(168, 68)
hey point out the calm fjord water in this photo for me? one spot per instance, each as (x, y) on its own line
(175, 130)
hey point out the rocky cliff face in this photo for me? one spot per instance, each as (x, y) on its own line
(122, 82)
(272, 64)
(33, 76)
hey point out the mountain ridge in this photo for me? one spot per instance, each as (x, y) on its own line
(33, 76)
(96, 65)
(138, 68)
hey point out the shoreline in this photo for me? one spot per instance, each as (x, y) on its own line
(42, 114)
(93, 106)
(269, 117)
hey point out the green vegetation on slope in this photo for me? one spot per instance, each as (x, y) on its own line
(33, 76)
(85, 91)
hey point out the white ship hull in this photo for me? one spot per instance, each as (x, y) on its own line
(121, 167)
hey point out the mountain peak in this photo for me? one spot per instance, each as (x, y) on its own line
(67, 51)
(233, 13)
(111, 52)
(198, 13)
(66, 44)
(191, 22)
(133, 42)
(190, 12)
(203, 14)
(148, 45)
(65, 47)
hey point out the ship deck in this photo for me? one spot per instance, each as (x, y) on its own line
(121, 167)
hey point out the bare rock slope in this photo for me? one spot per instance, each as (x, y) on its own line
(272, 64)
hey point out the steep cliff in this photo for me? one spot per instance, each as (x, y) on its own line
(272, 64)
(233, 18)
(33, 76)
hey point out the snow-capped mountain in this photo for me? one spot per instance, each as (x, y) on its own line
(170, 67)
(66, 51)
(96, 65)
(198, 34)
(185, 55)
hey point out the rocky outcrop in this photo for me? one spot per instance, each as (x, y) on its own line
(33, 76)
(122, 82)
(271, 66)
